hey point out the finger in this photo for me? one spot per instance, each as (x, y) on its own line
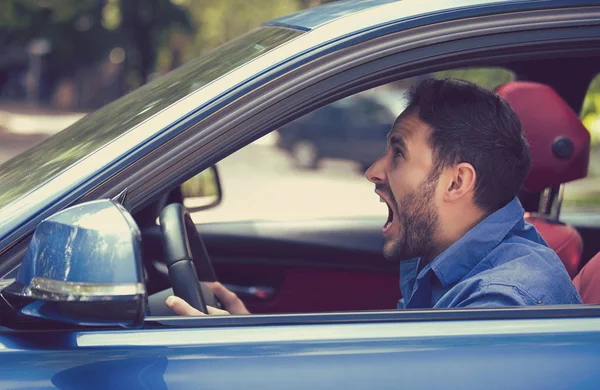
(216, 312)
(181, 307)
(226, 296)
(232, 303)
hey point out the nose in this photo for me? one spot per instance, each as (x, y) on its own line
(376, 172)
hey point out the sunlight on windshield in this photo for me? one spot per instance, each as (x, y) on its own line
(48, 159)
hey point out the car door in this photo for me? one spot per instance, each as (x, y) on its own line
(304, 266)
(494, 349)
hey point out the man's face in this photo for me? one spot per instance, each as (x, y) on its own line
(406, 180)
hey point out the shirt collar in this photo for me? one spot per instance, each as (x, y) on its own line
(408, 275)
(461, 257)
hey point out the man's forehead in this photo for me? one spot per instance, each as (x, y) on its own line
(408, 125)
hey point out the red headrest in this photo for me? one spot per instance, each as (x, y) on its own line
(560, 144)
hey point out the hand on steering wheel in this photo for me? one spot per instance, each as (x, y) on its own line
(230, 301)
(186, 258)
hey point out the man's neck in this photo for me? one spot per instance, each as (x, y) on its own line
(457, 230)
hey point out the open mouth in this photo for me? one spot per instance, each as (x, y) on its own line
(390, 218)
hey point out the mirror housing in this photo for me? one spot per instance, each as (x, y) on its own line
(83, 266)
(202, 191)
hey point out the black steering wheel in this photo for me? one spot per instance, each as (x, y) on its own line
(186, 257)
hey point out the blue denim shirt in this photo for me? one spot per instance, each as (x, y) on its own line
(502, 261)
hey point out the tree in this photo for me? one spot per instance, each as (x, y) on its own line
(83, 33)
(219, 21)
(146, 26)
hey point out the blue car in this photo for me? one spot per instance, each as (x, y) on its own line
(99, 223)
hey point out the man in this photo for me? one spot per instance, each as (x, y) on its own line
(455, 161)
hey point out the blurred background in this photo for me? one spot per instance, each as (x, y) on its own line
(61, 59)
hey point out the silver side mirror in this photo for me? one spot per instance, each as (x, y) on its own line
(84, 266)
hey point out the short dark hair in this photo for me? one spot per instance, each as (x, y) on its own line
(472, 124)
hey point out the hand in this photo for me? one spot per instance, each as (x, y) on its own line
(231, 302)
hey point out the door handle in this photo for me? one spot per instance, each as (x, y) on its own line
(261, 293)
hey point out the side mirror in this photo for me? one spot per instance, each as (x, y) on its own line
(202, 191)
(83, 266)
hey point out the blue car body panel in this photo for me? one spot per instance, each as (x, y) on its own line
(474, 354)
(505, 354)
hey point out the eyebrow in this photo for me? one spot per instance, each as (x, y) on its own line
(396, 139)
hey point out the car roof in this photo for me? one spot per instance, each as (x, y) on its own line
(315, 17)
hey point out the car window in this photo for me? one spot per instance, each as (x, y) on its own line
(314, 166)
(582, 195)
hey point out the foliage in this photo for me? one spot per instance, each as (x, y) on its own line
(486, 77)
(83, 32)
(219, 21)
(590, 112)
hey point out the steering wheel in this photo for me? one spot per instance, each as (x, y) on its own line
(186, 257)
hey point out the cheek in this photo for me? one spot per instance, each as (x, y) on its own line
(406, 177)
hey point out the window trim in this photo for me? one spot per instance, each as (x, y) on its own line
(383, 316)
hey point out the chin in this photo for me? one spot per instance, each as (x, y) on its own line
(390, 251)
(394, 251)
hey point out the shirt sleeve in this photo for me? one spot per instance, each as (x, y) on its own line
(400, 305)
(498, 295)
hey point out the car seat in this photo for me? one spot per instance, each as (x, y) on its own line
(560, 148)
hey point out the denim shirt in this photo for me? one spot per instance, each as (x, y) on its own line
(502, 261)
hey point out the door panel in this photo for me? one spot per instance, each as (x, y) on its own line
(283, 267)
(306, 289)
(366, 355)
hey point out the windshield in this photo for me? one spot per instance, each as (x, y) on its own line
(48, 159)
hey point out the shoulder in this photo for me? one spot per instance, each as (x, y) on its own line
(517, 273)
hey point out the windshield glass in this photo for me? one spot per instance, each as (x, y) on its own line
(48, 159)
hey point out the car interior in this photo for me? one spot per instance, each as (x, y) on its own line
(336, 264)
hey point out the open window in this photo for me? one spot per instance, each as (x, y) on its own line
(299, 228)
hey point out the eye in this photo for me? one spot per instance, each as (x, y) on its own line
(398, 153)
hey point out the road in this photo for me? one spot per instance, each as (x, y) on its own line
(259, 182)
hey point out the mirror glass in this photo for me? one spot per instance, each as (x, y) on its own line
(202, 191)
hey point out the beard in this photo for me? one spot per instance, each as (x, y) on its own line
(417, 221)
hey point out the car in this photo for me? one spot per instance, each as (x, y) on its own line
(100, 220)
(354, 128)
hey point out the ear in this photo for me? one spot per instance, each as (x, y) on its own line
(461, 182)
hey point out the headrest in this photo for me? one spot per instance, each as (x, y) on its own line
(559, 143)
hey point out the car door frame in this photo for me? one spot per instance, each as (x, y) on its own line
(473, 41)
(334, 75)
